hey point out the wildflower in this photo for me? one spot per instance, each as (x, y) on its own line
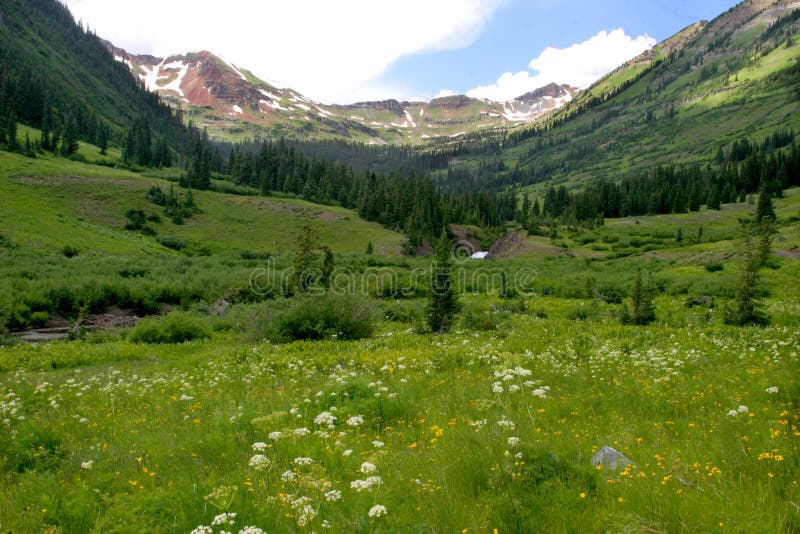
(303, 461)
(742, 409)
(288, 476)
(366, 485)
(347, 453)
(224, 519)
(307, 514)
(251, 530)
(377, 511)
(772, 389)
(202, 529)
(87, 466)
(325, 419)
(497, 387)
(326, 524)
(355, 421)
(259, 462)
(733, 413)
(368, 468)
(378, 444)
(259, 446)
(506, 423)
(513, 442)
(275, 436)
(299, 432)
(333, 495)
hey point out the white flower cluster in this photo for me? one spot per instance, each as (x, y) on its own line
(259, 446)
(506, 423)
(368, 468)
(227, 518)
(740, 410)
(366, 485)
(772, 390)
(377, 511)
(333, 496)
(275, 436)
(325, 419)
(303, 461)
(259, 462)
(355, 421)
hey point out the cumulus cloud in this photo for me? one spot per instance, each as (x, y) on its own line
(445, 92)
(328, 50)
(579, 65)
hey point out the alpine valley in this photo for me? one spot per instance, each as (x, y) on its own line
(225, 307)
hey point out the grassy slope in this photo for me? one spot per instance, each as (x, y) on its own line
(48, 202)
(755, 91)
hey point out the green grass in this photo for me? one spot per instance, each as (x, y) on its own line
(165, 426)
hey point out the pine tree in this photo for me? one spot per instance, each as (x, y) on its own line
(304, 258)
(443, 302)
(11, 132)
(102, 140)
(29, 151)
(370, 248)
(764, 210)
(328, 264)
(642, 310)
(745, 309)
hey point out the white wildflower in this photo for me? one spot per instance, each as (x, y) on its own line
(303, 461)
(355, 421)
(347, 453)
(368, 468)
(377, 511)
(299, 432)
(87, 466)
(773, 389)
(275, 436)
(224, 519)
(325, 419)
(251, 530)
(259, 446)
(288, 476)
(378, 444)
(202, 529)
(513, 442)
(259, 462)
(333, 495)
(742, 409)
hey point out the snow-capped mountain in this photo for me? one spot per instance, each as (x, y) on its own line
(232, 102)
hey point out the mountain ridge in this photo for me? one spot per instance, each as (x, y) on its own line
(232, 102)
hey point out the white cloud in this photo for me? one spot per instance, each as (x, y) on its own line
(329, 50)
(579, 65)
(445, 92)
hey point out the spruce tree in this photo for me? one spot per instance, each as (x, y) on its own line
(328, 265)
(11, 132)
(443, 301)
(764, 209)
(642, 310)
(745, 308)
(102, 140)
(304, 258)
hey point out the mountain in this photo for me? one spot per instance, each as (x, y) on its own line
(686, 101)
(234, 103)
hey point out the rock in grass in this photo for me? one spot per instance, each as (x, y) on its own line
(610, 458)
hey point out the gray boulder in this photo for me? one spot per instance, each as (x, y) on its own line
(610, 458)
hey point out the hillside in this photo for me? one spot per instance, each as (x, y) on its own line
(693, 94)
(58, 76)
(235, 104)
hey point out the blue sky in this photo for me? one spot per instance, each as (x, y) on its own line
(521, 29)
(349, 50)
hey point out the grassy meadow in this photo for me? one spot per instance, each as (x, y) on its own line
(490, 428)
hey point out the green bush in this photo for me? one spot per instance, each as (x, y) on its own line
(172, 242)
(314, 318)
(714, 266)
(69, 251)
(176, 327)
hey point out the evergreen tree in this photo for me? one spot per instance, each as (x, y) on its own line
(370, 248)
(745, 309)
(69, 140)
(11, 132)
(328, 264)
(443, 302)
(642, 310)
(102, 140)
(29, 151)
(303, 262)
(764, 209)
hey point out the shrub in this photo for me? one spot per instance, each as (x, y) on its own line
(69, 251)
(474, 319)
(176, 327)
(714, 266)
(172, 242)
(314, 318)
